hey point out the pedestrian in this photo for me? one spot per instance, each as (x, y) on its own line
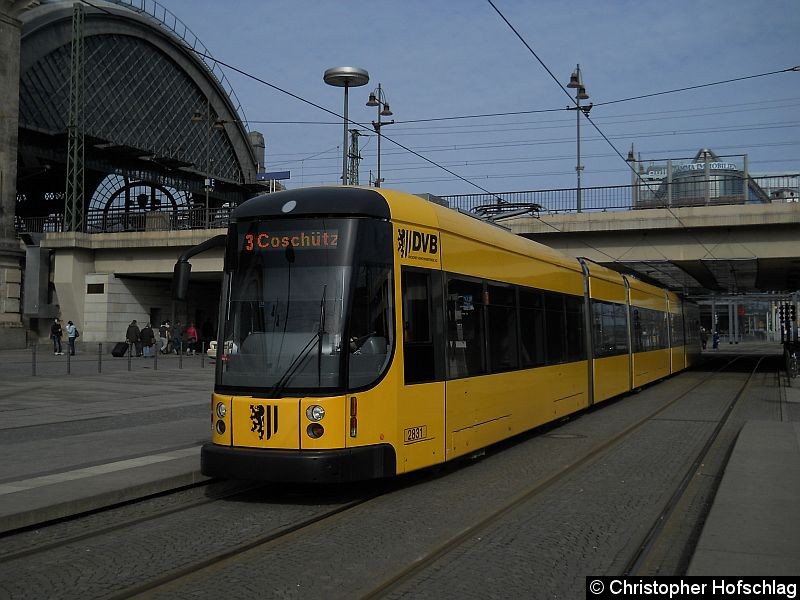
(191, 339)
(703, 337)
(72, 334)
(177, 337)
(715, 340)
(148, 338)
(133, 337)
(56, 334)
(163, 337)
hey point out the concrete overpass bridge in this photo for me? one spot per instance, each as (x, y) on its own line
(730, 255)
(731, 249)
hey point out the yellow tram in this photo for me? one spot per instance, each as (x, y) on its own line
(369, 333)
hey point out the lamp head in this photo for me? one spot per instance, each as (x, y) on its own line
(386, 112)
(582, 95)
(574, 80)
(373, 100)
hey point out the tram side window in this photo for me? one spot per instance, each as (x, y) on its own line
(465, 329)
(556, 328)
(576, 339)
(370, 324)
(421, 327)
(610, 332)
(649, 330)
(502, 328)
(621, 324)
(676, 330)
(532, 329)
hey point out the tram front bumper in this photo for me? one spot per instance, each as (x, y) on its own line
(321, 466)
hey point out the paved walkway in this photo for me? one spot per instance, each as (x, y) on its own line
(75, 439)
(754, 524)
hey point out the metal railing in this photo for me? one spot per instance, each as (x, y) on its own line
(699, 192)
(775, 189)
(119, 221)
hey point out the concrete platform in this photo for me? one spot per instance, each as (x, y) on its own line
(73, 442)
(754, 524)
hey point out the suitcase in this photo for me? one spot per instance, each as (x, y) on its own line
(119, 349)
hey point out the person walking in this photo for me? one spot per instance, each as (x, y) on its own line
(148, 341)
(56, 334)
(177, 337)
(133, 337)
(72, 334)
(191, 339)
(163, 337)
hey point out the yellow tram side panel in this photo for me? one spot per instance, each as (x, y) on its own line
(677, 359)
(484, 410)
(471, 247)
(654, 364)
(605, 284)
(611, 374)
(678, 351)
(644, 295)
(419, 429)
(611, 377)
(414, 415)
(650, 366)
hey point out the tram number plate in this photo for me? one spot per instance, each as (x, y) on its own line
(415, 434)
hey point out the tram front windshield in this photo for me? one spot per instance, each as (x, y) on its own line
(307, 306)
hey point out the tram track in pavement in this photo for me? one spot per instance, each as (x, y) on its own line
(395, 581)
(84, 532)
(658, 548)
(16, 544)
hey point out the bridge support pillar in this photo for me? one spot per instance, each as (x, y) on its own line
(12, 332)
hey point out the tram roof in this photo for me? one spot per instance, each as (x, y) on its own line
(345, 201)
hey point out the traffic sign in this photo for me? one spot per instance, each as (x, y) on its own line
(272, 176)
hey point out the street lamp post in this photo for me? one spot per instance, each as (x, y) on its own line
(576, 83)
(378, 98)
(345, 77)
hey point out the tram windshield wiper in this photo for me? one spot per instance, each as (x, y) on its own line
(284, 379)
(321, 332)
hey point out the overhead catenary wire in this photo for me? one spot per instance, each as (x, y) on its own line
(559, 84)
(458, 176)
(350, 121)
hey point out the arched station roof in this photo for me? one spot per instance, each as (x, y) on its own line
(142, 85)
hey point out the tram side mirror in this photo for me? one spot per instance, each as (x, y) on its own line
(180, 279)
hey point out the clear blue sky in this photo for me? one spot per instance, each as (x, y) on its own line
(457, 58)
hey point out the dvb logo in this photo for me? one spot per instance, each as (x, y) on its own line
(409, 241)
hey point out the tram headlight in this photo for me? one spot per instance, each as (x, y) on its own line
(315, 430)
(220, 427)
(315, 413)
(221, 410)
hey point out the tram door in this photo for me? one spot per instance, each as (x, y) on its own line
(421, 405)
